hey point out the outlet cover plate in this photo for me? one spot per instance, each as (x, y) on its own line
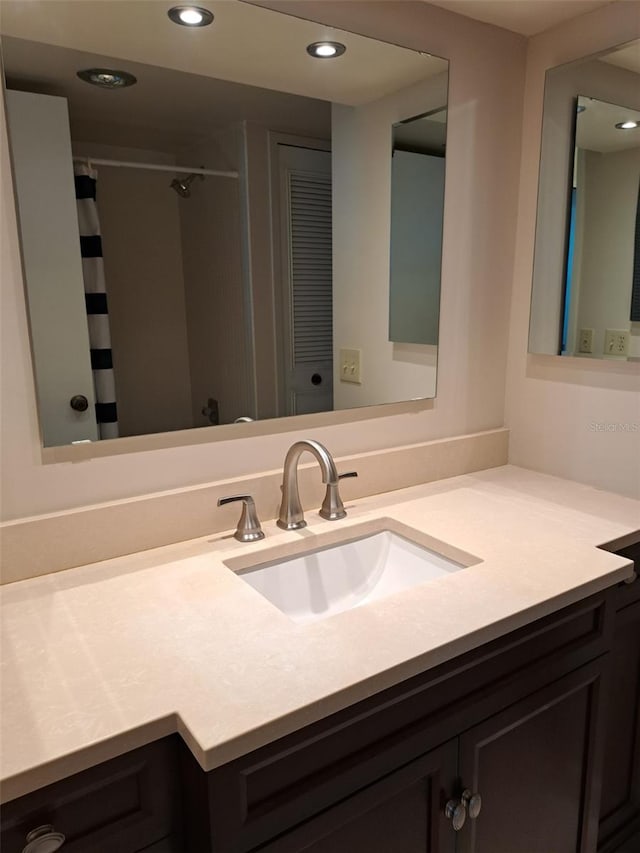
(616, 342)
(585, 343)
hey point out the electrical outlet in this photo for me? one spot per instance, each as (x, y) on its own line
(586, 340)
(616, 342)
(350, 365)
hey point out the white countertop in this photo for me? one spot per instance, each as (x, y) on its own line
(104, 658)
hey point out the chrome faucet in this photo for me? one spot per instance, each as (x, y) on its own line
(291, 516)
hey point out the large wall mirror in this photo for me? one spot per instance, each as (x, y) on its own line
(586, 278)
(221, 220)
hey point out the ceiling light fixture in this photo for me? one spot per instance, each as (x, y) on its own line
(107, 78)
(627, 125)
(190, 16)
(325, 49)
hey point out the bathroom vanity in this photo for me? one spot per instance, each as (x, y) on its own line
(490, 709)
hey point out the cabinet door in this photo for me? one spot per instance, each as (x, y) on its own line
(402, 813)
(533, 765)
(620, 803)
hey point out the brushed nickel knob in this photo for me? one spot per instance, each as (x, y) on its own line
(79, 403)
(43, 839)
(456, 812)
(472, 802)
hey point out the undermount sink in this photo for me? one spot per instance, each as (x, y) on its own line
(328, 580)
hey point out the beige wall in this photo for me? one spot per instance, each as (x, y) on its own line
(362, 147)
(610, 190)
(569, 417)
(139, 218)
(485, 105)
(217, 301)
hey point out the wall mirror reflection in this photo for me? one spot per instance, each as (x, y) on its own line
(209, 215)
(417, 200)
(586, 280)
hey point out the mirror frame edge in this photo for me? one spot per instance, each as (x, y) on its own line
(227, 432)
(556, 360)
(56, 454)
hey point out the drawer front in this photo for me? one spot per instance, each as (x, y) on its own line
(404, 811)
(123, 805)
(264, 793)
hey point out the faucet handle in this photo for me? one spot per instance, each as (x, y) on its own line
(332, 507)
(249, 529)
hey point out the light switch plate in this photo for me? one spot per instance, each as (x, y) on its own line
(586, 340)
(350, 365)
(616, 342)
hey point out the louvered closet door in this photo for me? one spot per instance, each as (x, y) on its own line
(307, 272)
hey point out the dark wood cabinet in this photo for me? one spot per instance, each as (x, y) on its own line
(620, 803)
(311, 785)
(127, 805)
(530, 768)
(524, 721)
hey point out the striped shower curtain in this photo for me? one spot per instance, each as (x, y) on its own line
(96, 302)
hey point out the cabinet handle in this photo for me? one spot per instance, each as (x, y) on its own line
(472, 802)
(43, 839)
(456, 812)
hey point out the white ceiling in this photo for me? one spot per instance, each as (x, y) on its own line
(627, 57)
(526, 17)
(165, 110)
(596, 127)
(245, 44)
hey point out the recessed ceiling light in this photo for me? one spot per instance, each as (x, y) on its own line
(326, 49)
(107, 78)
(190, 16)
(627, 125)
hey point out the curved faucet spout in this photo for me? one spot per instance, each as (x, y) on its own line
(291, 516)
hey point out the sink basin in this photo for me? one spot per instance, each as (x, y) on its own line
(338, 577)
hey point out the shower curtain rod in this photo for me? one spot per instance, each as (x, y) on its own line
(156, 167)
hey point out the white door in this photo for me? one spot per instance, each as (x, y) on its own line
(306, 328)
(43, 172)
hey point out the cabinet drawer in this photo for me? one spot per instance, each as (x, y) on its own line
(404, 811)
(262, 794)
(123, 805)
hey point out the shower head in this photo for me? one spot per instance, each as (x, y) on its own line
(183, 185)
